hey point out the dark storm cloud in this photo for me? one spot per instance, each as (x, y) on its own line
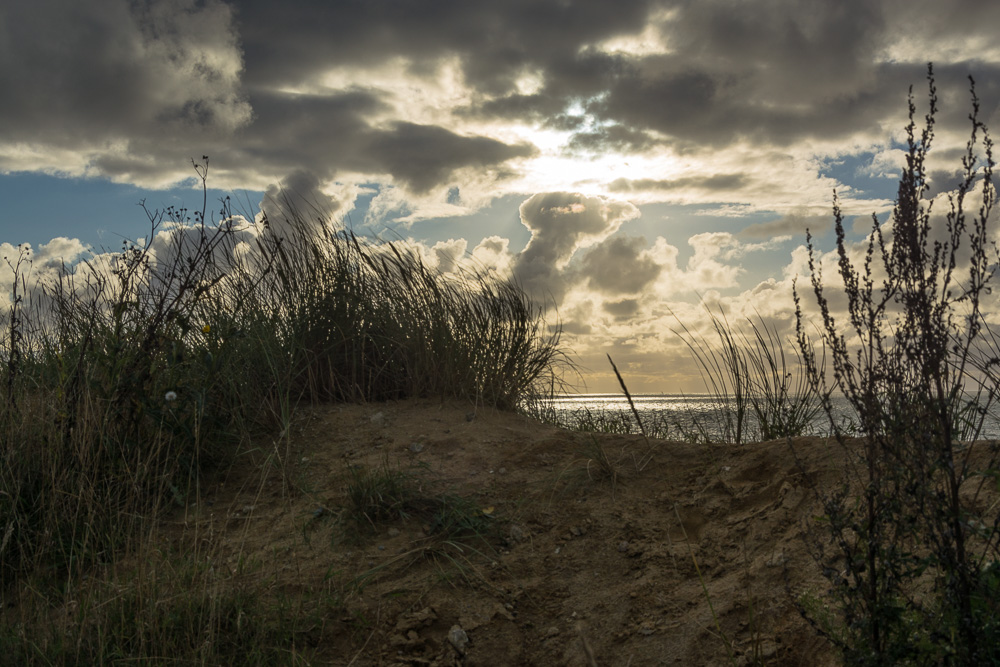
(132, 88)
(291, 42)
(81, 72)
(326, 134)
(773, 73)
(423, 156)
(767, 72)
(614, 138)
(316, 133)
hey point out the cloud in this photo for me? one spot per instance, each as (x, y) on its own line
(300, 199)
(93, 75)
(423, 157)
(428, 96)
(562, 223)
(620, 265)
(449, 254)
(706, 183)
(622, 310)
(793, 224)
(493, 253)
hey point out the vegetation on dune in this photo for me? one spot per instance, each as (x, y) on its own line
(127, 378)
(911, 556)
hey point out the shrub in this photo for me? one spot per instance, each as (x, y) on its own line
(912, 567)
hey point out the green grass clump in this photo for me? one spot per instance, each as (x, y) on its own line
(384, 494)
(378, 495)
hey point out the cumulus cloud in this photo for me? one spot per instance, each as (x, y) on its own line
(623, 309)
(449, 255)
(301, 197)
(493, 253)
(620, 265)
(562, 223)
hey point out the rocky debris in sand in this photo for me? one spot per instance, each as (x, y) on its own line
(417, 619)
(777, 560)
(647, 628)
(416, 447)
(406, 637)
(458, 638)
(378, 419)
(518, 533)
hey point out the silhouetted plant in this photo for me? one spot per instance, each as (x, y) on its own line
(913, 568)
(756, 392)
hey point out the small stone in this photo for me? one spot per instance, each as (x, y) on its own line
(577, 531)
(393, 532)
(378, 419)
(777, 560)
(470, 416)
(551, 632)
(416, 447)
(623, 546)
(422, 618)
(458, 638)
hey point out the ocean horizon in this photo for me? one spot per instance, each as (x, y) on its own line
(686, 414)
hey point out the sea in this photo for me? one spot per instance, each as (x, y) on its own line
(696, 416)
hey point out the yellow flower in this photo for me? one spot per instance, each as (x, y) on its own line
(206, 329)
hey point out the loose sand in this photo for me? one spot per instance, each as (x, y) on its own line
(579, 568)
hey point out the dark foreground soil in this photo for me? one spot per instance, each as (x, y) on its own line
(590, 549)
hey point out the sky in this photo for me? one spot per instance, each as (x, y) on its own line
(632, 164)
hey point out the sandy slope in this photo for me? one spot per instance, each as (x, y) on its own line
(577, 569)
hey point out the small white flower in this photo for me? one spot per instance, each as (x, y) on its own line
(171, 396)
